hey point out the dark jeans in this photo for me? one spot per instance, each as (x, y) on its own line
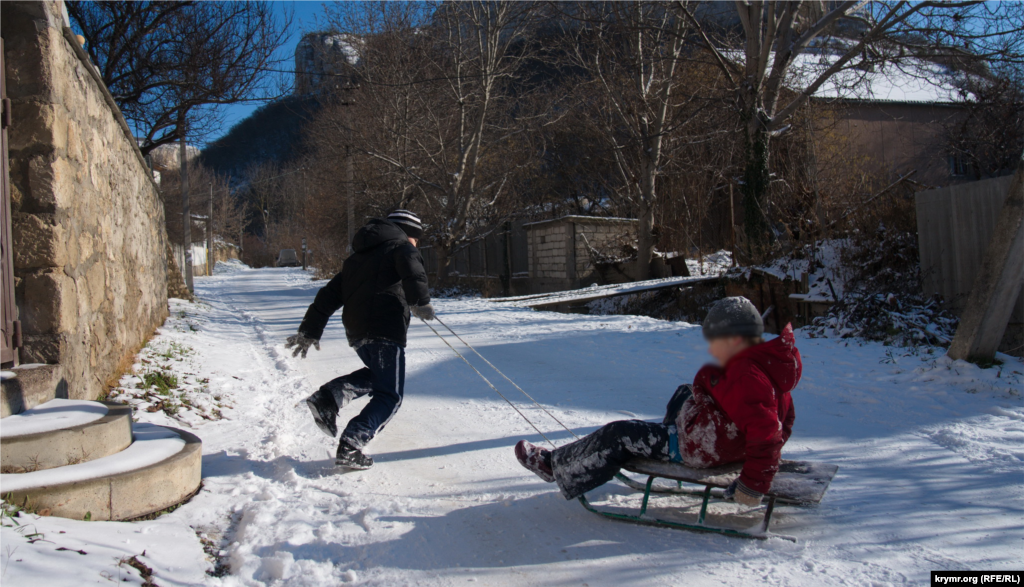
(383, 379)
(593, 460)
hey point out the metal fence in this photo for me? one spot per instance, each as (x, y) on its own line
(500, 254)
(954, 226)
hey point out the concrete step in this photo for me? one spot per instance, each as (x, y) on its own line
(161, 468)
(28, 386)
(63, 432)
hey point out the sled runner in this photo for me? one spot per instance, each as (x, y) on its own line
(797, 483)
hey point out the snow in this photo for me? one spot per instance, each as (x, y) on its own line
(56, 414)
(152, 444)
(909, 81)
(912, 81)
(716, 263)
(929, 452)
(597, 219)
(602, 291)
(821, 262)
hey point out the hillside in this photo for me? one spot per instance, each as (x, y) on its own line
(272, 133)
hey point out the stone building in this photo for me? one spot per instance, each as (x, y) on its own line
(564, 252)
(84, 259)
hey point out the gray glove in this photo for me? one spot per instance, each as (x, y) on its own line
(424, 312)
(301, 342)
(742, 494)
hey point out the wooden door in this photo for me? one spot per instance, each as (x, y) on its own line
(9, 327)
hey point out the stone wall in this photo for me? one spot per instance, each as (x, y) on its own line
(547, 246)
(560, 250)
(600, 237)
(547, 250)
(88, 223)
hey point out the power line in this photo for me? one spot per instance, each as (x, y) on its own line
(373, 83)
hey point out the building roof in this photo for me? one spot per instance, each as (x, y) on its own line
(911, 81)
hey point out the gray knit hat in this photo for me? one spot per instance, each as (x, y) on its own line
(408, 222)
(734, 316)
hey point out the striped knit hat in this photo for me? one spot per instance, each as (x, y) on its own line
(408, 222)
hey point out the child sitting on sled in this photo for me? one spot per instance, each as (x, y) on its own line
(738, 410)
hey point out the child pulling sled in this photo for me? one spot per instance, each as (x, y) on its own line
(739, 410)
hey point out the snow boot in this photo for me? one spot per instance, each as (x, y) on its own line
(351, 457)
(535, 459)
(325, 411)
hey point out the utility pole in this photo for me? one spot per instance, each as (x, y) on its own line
(350, 176)
(303, 253)
(186, 212)
(224, 214)
(210, 260)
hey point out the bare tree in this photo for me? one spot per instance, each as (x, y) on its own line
(988, 139)
(171, 64)
(434, 109)
(848, 36)
(227, 212)
(630, 56)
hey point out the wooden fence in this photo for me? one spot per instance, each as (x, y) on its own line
(500, 254)
(954, 225)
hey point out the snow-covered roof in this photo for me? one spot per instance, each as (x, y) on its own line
(910, 81)
(914, 81)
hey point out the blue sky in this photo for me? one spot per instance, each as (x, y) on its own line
(306, 14)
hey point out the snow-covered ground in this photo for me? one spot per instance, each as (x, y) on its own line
(931, 455)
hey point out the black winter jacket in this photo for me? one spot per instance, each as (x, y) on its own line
(376, 286)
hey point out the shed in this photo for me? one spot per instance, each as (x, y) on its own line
(563, 251)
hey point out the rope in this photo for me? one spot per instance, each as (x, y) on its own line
(621, 477)
(523, 416)
(470, 347)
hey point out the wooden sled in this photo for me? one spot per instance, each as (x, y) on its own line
(797, 483)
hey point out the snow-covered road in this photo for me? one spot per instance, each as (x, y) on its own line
(931, 456)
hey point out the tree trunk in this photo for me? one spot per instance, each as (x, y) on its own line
(756, 182)
(645, 231)
(645, 241)
(442, 263)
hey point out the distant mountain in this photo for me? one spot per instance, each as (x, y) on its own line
(271, 133)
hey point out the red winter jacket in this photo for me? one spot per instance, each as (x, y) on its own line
(743, 412)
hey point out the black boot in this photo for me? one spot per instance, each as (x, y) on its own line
(351, 457)
(325, 411)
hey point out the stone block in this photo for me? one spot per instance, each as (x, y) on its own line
(95, 287)
(40, 302)
(37, 241)
(42, 348)
(46, 176)
(38, 126)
